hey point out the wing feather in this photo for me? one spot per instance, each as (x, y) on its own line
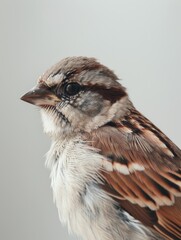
(144, 173)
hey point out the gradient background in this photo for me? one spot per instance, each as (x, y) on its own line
(140, 40)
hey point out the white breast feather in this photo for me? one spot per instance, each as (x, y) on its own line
(82, 204)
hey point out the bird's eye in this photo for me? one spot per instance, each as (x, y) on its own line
(72, 88)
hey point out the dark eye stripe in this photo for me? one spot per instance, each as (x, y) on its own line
(112, 94)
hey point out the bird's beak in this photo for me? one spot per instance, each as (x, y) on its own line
(40, 96)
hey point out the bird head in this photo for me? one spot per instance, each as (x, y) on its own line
(78, 94)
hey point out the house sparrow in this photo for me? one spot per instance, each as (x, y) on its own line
(114, 174)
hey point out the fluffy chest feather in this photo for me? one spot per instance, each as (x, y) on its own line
(82, 204)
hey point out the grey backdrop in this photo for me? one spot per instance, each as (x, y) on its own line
(140, 40)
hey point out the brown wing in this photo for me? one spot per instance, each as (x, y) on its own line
(142, 171)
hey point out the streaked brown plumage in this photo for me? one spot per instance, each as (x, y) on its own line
(152, 195)
(141, 167)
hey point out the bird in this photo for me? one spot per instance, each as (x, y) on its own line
(114, 174)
